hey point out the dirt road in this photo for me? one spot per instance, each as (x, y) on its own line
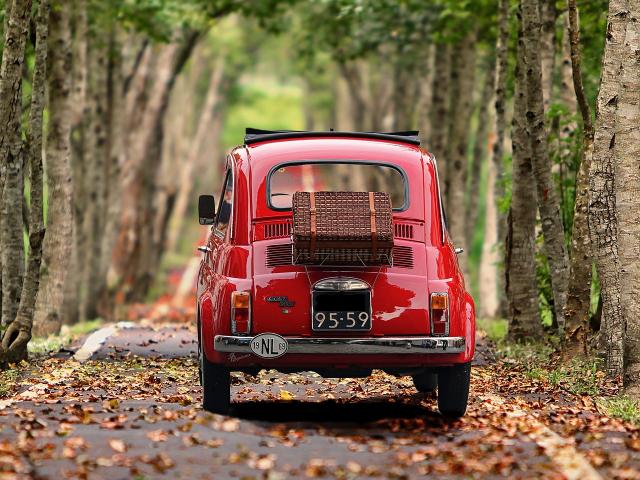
(131, 409)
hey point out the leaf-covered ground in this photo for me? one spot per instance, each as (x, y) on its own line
(135, 413)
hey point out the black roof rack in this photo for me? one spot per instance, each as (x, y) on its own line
(255, 135)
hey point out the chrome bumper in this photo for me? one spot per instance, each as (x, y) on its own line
(393, 345)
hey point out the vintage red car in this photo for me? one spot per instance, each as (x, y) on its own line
(258, 309)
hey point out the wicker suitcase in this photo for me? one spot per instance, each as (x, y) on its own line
(342, 228)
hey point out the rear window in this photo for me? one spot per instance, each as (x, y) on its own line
(285, 180)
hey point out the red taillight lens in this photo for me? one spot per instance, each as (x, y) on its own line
(241, 313)
(440, 314)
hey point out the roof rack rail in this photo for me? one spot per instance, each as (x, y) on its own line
(255, 135)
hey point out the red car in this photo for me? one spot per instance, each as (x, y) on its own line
(258, 309)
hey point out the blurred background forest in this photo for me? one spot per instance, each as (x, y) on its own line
(142, 98)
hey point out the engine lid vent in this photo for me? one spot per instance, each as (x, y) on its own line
(270, 230)
(402, 257)
(279, 255)
(403, 230)
(282, 255)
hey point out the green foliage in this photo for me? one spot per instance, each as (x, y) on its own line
(495, 328)
(53, 343)
(262, 103)
(350, 29)
(8, 380)
(623, 407)
(580, 376)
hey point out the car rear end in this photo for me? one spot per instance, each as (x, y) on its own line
(350, 316)
(411, 317)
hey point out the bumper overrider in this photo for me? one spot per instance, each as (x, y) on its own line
(355, 346)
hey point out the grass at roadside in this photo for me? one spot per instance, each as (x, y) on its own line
(8, 380)
(579, 376)
(68, 333)
(622, 407)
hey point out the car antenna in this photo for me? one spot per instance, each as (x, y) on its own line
(331, 129)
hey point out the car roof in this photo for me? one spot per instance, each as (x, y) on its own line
(255, 135)
(311, 148)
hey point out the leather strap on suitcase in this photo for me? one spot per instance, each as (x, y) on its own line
(374, 232)
(314, 227)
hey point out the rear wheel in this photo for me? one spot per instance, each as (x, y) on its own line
(425, 382)
(453, 390)
(216, 386)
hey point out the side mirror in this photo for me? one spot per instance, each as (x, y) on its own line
(206, 209)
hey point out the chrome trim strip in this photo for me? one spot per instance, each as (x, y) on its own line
(399, 345)
(443, 226)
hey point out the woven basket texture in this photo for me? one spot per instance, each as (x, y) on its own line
(343, 228)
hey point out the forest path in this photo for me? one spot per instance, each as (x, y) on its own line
(133, 409)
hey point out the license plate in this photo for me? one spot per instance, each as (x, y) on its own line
(341, 320)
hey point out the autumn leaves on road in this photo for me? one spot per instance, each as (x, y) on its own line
(119, 415)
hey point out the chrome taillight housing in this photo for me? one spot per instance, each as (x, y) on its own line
(439, 314)
(241, 313)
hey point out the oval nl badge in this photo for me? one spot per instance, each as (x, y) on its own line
(269, 345)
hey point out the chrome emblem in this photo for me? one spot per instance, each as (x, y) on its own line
(283, 301)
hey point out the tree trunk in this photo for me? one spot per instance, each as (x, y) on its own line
(353, 77)
(548, 16)
(79, 64)
(567, 90)
(426, 96)
(579, 293)
(479, 153)
(602, 201)
(203, 129)
(11, 241)
(57, 247)
(548, 202)
(95, 179)
(18, 333)
(521, 286)
(79, 130)
(143, 147)
(460, 114)
(115, 157)
(439, 135)
(488, 272)
(627, 188)
(502, 73)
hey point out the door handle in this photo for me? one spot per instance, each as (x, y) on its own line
(458, 250)
(204, 249)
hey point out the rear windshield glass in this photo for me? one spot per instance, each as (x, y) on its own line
(335, 177)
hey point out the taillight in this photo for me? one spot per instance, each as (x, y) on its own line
(439, 314)
(241, 313)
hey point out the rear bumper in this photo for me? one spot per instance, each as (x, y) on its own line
(351, 346)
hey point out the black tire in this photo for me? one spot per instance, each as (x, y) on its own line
(453, 390)
(216, 387)
(425, 382)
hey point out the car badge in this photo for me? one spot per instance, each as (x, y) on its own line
(283, 301)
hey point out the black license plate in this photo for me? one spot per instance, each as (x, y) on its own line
(341, 311)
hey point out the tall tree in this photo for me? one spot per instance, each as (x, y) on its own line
(579, 293)
(11, 241)
(603, 225)
(548, 202)
(95, 181)
(627, 189)
(520, 269)
(502, 73)
(440, 112)
(462, 79)
(18, 332)
(479, 152)
(548, 14)
(57, 248)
